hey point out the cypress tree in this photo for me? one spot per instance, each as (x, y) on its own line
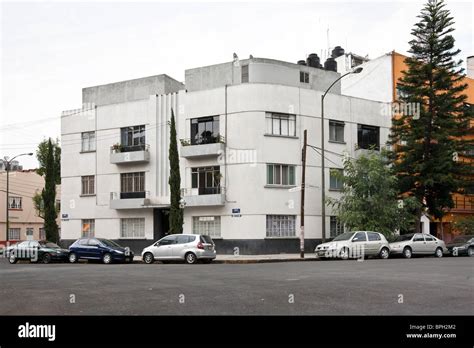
(429, 147)
(176, 212)
(49, 194)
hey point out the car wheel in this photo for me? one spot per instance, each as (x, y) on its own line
(46, 258)
(72, 258)
(148, 258)
(344, 254)
(470, 252)
(407, 253)
(190, 258)
(107, 258)
(439, 252)
(384, 253)
(12, 258)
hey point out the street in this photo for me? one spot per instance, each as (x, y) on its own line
(419, 286)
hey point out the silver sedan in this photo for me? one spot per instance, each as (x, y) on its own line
(418, 244)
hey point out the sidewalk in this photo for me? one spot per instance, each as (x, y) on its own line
(241, 259)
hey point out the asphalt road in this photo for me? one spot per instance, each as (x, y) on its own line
(427, 286)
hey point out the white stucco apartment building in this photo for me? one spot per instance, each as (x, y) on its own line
(241, 128)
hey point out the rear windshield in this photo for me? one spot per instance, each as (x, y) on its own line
(206, 239)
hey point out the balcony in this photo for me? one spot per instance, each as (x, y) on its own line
(121, 154)
(463, 204)
(129, 200)
(204, 196)
(210, 146)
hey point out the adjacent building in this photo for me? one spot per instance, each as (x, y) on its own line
(24, 222)
(240, 126)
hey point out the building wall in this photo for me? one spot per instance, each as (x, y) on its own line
(22, 184)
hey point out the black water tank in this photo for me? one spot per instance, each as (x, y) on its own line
(337, 52)
(301, 62)
(313, 61)
(330, 64)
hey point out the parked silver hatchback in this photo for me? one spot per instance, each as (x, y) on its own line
(175, 247)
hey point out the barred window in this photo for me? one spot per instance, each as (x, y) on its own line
(14, 202)
(88, 185)
(336, 227)
(280, 124)
(245, 73)
(132, 228)
(88, 228)
(208, 225)
(132, 182)
(88, 141)
(14, 234)
(42, 233)
(280, 174)
(281, 225)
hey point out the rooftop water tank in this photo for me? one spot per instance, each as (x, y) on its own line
(330, 64)
(337, 52)
(313, 61)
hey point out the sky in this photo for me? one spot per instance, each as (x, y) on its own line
(51, 50)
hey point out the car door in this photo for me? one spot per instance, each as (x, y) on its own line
(418, 244)
(93, 249)
(81, 248)
(374, 243)
(431, 244)
(358, 245)
(163, 247)
(178, 247)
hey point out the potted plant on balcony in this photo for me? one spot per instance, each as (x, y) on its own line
(116, 148)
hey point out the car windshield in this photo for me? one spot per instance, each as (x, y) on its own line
(461, 239)
(49, 245)
(344, 236)
(404, 237)
(110, 243)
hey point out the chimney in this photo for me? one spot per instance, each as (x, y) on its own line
(470, 67)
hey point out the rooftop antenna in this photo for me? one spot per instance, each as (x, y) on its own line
(327, 38)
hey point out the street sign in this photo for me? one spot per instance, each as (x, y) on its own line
(236, 212)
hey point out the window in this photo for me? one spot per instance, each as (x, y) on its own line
(42, 233)
(58, 205)
(168, 240)
(208, 225)
(280, 174)
(29, 233)
(206, 180)
(429, 239)
(245, 73)
(14, 202)
(281, 225)
(280, 124)
(133, 138)
(336, 227)
(304, 77)
(132, 185)
(336, 131)
(373, 236)
(132, 228)
(88, 228)
(88, 185)
(418, 238)
(93, 242)
(88, 141)
(14, 234)
(335, 180)
(184, 239)
(359, 237)
(368, 137)
(205, 130)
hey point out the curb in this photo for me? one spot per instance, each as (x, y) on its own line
(252, 261)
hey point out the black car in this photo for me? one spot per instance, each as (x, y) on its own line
(36, 251)
(101, 249)
(462, 245)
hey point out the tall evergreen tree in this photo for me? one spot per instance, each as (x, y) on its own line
(428, 147)
(176, 212)
(49, 194)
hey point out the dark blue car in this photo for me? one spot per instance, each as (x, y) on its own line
(101, 249)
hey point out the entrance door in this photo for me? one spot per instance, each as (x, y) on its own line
(160, 223)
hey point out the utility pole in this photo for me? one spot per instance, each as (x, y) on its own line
(303, 187)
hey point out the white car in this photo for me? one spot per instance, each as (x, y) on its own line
(418, 244)
(358, 244)
(187, 247)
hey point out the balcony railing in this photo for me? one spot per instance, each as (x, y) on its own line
(465, 203)
(203, 140)
(121, 154)
(202, 147)
(203, 196)
(129, 200)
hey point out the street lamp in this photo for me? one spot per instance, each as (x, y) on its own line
(7, 169)
(323, 181)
